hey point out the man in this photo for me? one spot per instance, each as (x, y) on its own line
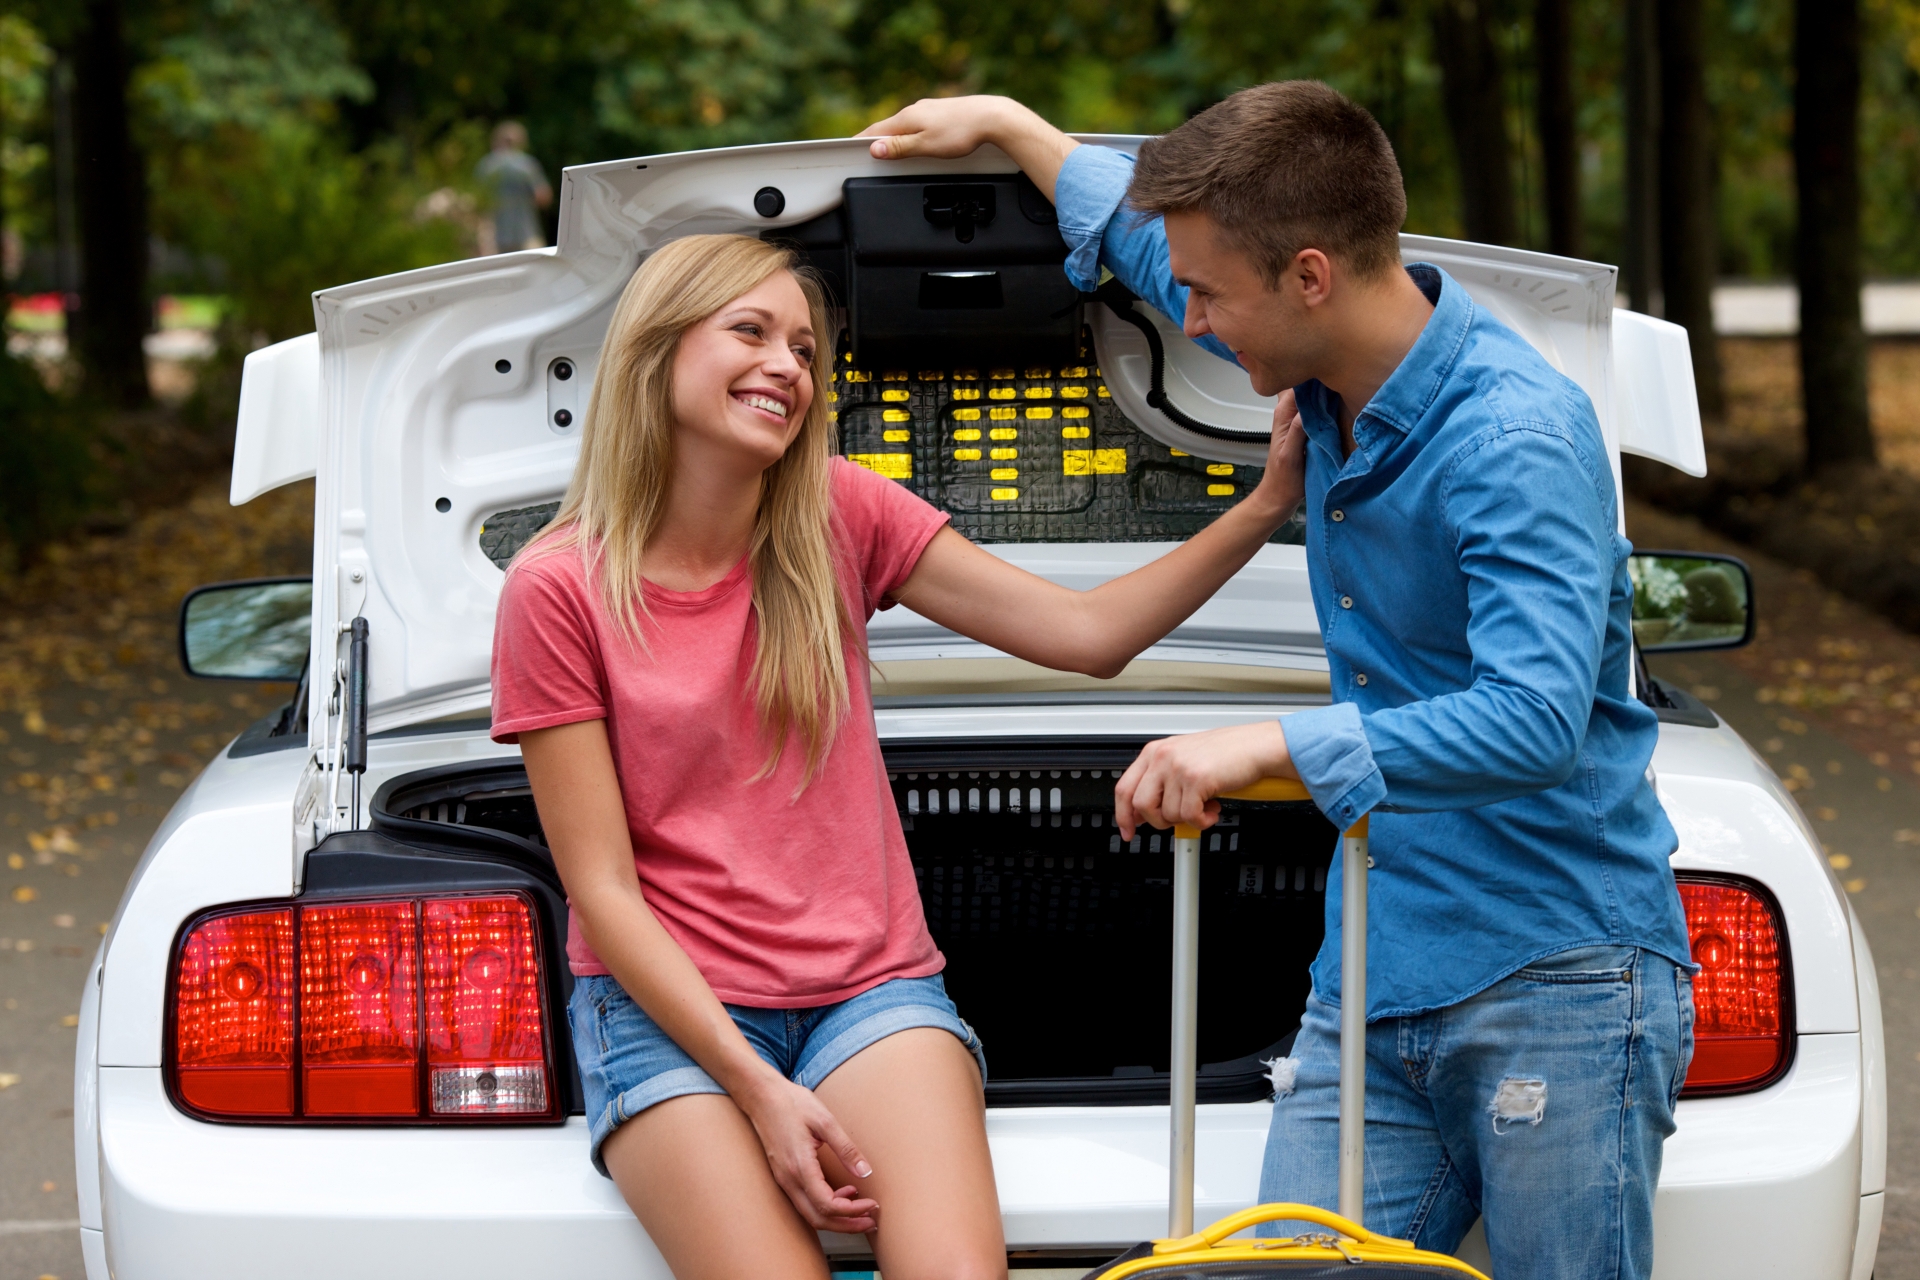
(1529, 999)
(519, 189)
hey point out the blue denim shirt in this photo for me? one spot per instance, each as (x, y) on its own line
(1472, 588)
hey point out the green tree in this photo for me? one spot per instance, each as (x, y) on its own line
(702, 73)
(24, 63)
(241, 107)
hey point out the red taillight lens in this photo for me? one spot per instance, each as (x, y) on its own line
(353, 1002)
(359, 1010)
(1740, 1026)
(485, 1038)
(233, 1015)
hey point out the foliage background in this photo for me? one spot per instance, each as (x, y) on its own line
(293, 144)
(289, 145)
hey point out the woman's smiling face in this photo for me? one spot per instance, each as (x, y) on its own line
(743, 377)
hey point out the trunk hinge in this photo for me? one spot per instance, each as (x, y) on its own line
(343, 750)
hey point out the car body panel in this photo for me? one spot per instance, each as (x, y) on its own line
(276, 438)
(1873, 1065)
(1866, 1244)
(232, 844)
(1655, 406)
(209, 1201)
(86, 1097)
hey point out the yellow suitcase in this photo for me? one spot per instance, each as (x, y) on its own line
(1343, 1248)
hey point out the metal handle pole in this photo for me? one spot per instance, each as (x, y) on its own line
(1181, 1093)
(1186, 1029)
(1353, 1019)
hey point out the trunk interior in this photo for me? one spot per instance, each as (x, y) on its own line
(1058, 934)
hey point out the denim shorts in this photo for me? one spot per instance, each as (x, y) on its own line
(628, 1063)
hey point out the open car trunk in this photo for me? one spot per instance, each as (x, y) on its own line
(1057, 933)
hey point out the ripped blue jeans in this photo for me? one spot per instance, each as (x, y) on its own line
(1541, 1103)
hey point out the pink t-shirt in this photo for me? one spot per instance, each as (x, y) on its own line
(780, 902)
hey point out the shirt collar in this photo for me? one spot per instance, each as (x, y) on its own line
(1409, 390)
(1404, 397)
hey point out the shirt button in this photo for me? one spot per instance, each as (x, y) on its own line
(1361, 678)
(1346, 602)
(1338, 515)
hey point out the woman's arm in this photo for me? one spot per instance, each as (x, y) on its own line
(952, 127)
(578, 796)
(1098, 632)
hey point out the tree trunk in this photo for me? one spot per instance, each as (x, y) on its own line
(1689, 243)
(1826, 160)
(1641, 259)
(113, 316)
(1471, 91)
(1559, 135)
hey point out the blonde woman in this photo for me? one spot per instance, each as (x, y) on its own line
(766, 1045)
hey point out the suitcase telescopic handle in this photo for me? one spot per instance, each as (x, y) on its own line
(1186, 1008)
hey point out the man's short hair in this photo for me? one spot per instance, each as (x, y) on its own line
(1282, 167)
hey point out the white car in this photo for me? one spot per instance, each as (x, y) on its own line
(325, 1033)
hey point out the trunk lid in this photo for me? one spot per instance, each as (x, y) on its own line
(449, 399)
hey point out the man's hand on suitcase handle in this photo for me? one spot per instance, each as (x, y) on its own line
(795, 1127)
(1175, 780)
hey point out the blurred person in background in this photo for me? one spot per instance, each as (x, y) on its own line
(518, 188)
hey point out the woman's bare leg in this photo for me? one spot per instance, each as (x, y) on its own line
(693, 1171)
(913, 1104)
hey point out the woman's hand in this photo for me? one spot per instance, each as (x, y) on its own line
(947, 128)
(794, 1125)
(1284, 485)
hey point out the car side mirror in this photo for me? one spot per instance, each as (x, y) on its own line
(1690, 600)
(261, 629)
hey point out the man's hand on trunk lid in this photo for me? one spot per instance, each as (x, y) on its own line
(1176, 779)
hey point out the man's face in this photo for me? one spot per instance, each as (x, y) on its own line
(1268, 329)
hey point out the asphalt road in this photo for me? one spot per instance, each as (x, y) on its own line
(99, 734)
(64, 875)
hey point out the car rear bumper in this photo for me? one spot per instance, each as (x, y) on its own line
(1756, 1186)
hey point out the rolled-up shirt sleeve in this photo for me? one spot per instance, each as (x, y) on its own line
(1101, 231)
(1330, 750)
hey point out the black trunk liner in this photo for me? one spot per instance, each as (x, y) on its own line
(1058, 934)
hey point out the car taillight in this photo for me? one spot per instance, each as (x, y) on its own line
(485, 1051)
(233, 1016)
(359, 1010)
(408, 1010)
(1741, 1036)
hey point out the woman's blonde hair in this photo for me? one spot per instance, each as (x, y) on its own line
(618, 495)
